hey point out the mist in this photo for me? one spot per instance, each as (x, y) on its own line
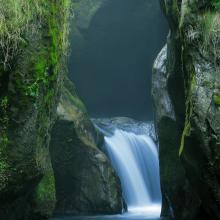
(112, 67)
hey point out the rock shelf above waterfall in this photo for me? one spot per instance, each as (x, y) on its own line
(108, 125)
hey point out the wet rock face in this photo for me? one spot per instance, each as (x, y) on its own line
(179, 201)
(85, 181)
(163, 103)
(192, 55)
(29, 92)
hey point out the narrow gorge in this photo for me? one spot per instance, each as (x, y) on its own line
(110, 109)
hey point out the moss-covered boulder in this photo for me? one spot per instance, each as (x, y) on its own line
(33, 40)
(85, 181)
(192, 84)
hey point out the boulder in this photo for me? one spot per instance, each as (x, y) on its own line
(86, 184)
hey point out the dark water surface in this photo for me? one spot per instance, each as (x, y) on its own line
(107, 217)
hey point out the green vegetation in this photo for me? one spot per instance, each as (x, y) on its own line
(186, 132)
(210, 33)
(216, 4)
(33, 47)
(3, 142)
(45, 195)
(173, 9)
(3, 112)
(75, 100)
(3, 125)
(185, 11)
(217, 99)
(207, 25)
(45, 187)
(190, 86)
(15, 19)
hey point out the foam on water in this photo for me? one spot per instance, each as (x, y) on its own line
(134, 156)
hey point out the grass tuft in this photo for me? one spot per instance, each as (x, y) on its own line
(15, 17)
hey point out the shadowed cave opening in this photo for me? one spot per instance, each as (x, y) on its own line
(112, 56)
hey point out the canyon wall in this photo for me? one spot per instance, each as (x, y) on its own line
(33, 64)
(186, 86)
(33, 45)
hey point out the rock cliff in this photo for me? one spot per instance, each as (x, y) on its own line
(186, 83)
(33, 44)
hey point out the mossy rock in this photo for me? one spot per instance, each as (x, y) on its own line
(193, 48)
(30, 84)
(217, 99)
(45, 196)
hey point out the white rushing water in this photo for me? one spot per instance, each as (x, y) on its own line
(134, 156)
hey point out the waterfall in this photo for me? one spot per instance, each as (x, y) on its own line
(134, 156)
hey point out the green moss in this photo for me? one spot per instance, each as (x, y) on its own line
(171, 9)
(190, 86)
(185, 11)
(186, 132)
(4, 174)
(46, 62)
(3, 112)
(40, 68)
(75, 100)
(48, 66)
(3, 146)
(207, 26)
(3, 132)
(216, 4)
(210, 35)
(209, 84)
(217, 99)
(15, 19)
(45, 189)
(4, 167)
(34, 66)
(45, 195)
(49, 96)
